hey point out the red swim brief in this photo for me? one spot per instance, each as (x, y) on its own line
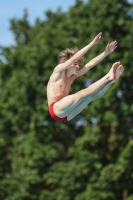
(53, 115)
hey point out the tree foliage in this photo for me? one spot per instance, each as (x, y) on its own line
(89, 157)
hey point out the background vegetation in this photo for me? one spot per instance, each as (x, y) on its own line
(90, 157)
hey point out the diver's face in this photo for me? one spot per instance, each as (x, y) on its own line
(75, 68)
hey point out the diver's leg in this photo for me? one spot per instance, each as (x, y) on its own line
(70, 103)
(87, 100)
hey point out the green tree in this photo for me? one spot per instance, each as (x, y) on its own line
(89, 157)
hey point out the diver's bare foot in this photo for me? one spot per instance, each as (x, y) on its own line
(112, 72)
(118, 72)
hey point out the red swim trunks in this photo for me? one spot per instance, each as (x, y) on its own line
(53, 115)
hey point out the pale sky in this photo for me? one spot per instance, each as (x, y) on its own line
(36, 8)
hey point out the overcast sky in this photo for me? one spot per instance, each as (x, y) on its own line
(15, 8)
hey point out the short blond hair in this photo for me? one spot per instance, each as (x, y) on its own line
(67, 54)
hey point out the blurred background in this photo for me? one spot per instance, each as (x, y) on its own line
(90, 157)
(10, 9)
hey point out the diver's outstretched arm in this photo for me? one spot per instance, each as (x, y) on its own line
(109, 49)
(78, 55)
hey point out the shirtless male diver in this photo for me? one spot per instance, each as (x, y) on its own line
(64, 107)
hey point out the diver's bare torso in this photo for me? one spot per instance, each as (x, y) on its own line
(58, 86)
